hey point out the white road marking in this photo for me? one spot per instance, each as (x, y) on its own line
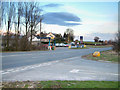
(88, 72)
(52, 62)
(113, 73)
(10, 70)
(74, 71)
(34, 66)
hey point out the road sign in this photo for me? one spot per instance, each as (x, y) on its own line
(51, 36)
(81, 38)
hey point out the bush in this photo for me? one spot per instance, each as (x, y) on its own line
(116, 45)
(41, 47)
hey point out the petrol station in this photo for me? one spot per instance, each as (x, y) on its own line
(50, 36)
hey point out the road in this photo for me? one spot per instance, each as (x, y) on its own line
(61, 64)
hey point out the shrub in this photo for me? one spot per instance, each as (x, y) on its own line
(116, 45)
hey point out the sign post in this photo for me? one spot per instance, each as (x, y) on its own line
(81, 39)
(51, 36)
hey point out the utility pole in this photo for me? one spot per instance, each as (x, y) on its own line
(8, 35)
(40, 29)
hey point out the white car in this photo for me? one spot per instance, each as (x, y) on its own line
(57, 44)
(62, 45)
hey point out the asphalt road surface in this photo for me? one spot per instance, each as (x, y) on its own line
(61, 64)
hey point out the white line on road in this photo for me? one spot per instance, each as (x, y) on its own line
(92, 72)
(35, 66)
(74, 71)
(52, 62)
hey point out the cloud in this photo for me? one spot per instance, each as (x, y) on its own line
(61, 18)
(102, 36)
(83, 12)
(52, 5)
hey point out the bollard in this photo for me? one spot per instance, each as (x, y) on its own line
(69, 46)
(84, 45)
(96, 54)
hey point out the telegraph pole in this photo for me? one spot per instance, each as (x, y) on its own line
(40, 29)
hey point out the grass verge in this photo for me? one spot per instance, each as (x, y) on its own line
(22, 51)
(101, 46)
(92, 42)
(94, 46)
(109, 55)
(61, 84)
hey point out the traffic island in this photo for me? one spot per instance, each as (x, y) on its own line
(108, 56)
(78, 47)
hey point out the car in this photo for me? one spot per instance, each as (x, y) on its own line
(62, 45)
(57, 44)
(66, 45)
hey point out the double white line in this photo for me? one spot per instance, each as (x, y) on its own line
(34, 66)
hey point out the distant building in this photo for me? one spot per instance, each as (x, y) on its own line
(36, 40)
(106, 42)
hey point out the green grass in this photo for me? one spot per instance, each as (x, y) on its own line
(63, 84)
(26, 86)
(92, 43)
(105, 55)
(93, 46)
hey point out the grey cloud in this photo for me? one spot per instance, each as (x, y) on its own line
(60, 18)
(52, 5)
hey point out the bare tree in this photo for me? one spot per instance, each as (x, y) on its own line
(70, 34)
(96, 39)
(116, 45)
(32, 18)
(19, 14)
(32, 15)
(0, 14)
(9, 14)
(40, 27)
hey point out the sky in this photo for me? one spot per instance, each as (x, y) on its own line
(87, 19)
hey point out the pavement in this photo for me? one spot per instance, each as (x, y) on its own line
(61, 64)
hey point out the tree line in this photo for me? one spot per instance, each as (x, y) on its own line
(15, 15)
(25, 18)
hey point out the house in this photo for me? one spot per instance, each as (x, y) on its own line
(36, 38)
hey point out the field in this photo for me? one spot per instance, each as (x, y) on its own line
(97, 46)
(61, 84)
(92, 43)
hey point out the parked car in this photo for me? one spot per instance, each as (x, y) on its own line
(62, 45)
(57, 45)
(66, 45)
